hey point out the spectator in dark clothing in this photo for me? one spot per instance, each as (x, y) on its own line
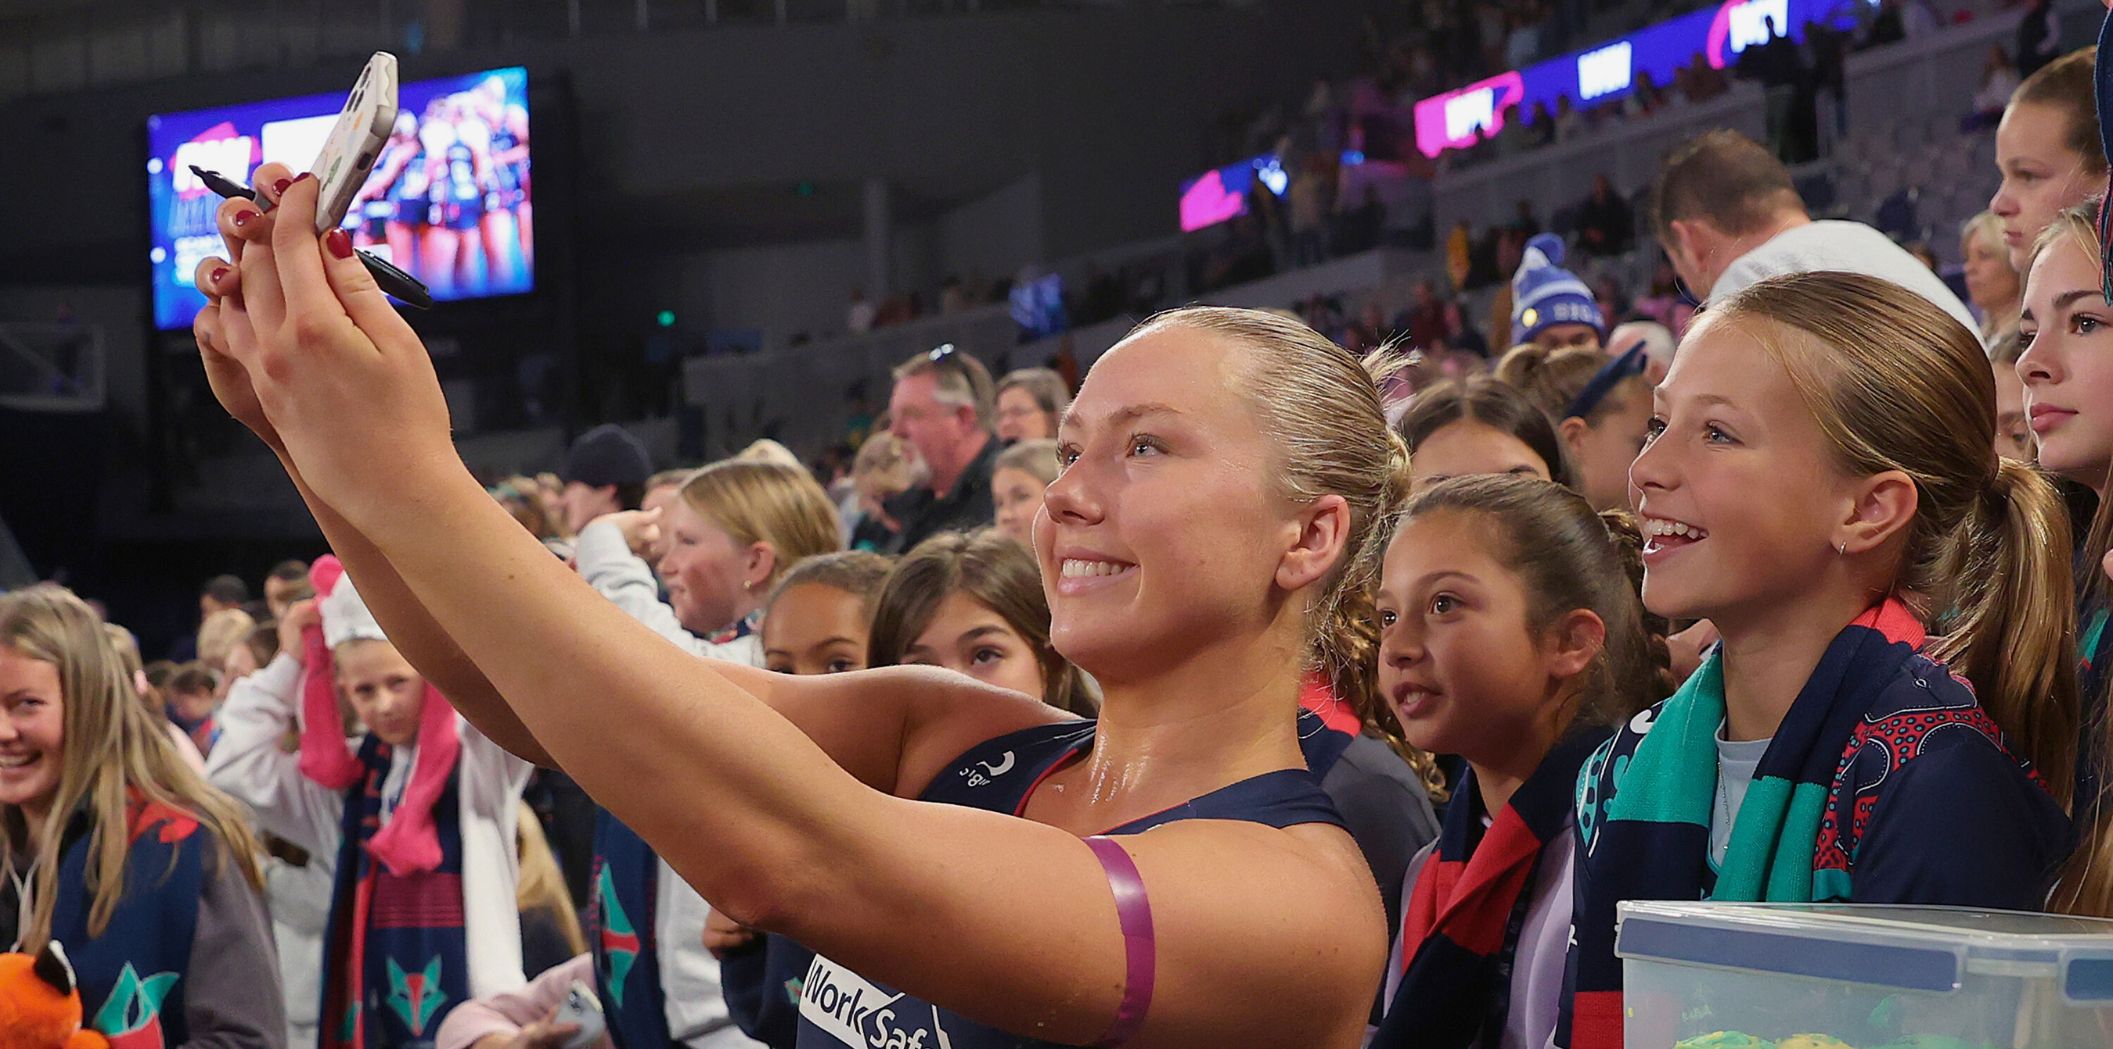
(1605, 224)
(566, 815)
(1427, 323)
(1780, 69)
(2039, 38)
(941, 408)
(1526, 225)
(1357, 229)
(1464, 336)
(1703, 81)
(1829, 50)
(1540, 131)
(1889, 27)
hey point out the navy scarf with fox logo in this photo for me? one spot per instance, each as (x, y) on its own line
(131, 977)
(620, 919)
(620, 936)
(396, 956)
(1460, 929)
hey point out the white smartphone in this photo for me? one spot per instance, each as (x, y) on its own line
(582, 1007)
(356, 140)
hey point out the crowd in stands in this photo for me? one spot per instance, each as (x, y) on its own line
(1293, 676)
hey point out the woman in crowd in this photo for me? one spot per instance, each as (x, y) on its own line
(2063, 369)
(2014, 438)
(882, 470)
(127, 648)
(2047, 151)
(194, 690)
(1018, 477)
(1883, 409)
(116, 849)
(1600, 407)
(222, 633)
(1994, 285)
(1030, 404)
(1512, 635)
(818, 619)
(973, 603)
(418, 795)
(739, 525)
(1193, 586)
(1479, 425)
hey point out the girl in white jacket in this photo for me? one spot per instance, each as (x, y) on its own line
(419, 815)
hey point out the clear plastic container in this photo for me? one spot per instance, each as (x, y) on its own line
(1700, 975)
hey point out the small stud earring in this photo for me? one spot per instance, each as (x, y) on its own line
(1842, 548)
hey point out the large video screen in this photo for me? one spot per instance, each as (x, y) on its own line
(449, 200)
(1220, 195)
(1611, 71)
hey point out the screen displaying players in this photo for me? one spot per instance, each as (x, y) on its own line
(449, 199)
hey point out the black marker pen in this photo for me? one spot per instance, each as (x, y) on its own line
(392, 280)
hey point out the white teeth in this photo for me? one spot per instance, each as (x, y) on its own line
(17, 762)
(1659, 526)
(1077, 569)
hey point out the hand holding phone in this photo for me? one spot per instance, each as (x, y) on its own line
(581, 1007)
(355, 141)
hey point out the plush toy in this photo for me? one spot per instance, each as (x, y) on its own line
(40, 1007)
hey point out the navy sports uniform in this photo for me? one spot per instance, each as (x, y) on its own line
(839, 1009)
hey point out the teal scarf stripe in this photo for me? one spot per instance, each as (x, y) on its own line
(1770, 855)
(1673, 776)
(1673, 779)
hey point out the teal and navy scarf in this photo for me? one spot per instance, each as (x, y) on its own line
(1645, 798)
(621, 924)
(132, 976)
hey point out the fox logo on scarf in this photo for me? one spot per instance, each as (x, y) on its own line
(416, 996)
(131, 1016)
(620, 943)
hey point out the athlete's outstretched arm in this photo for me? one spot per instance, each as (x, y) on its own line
(893, 734)
(1005, 920)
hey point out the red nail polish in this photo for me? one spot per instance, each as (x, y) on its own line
(219, 273)
(278, 189)
(339, 242)
(303, 177)
(242, 217)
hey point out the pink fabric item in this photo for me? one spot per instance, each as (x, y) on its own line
(324, 757)
(506, 1013)
(409, 844)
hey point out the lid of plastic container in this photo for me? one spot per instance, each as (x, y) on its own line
(1912, 948)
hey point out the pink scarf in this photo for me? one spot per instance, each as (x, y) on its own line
(409, 843)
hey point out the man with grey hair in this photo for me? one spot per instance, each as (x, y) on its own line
(941, 408)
